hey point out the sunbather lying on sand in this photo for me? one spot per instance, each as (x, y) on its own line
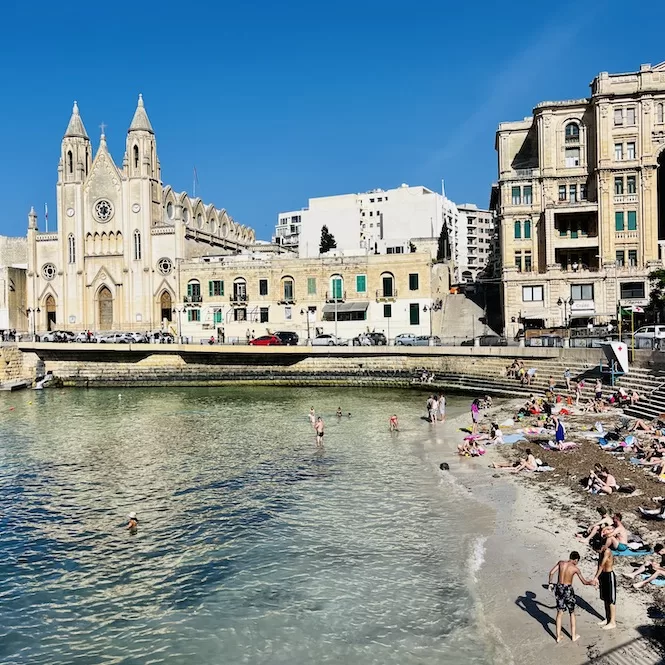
(655, 567)
(654, 513)
(530, 463)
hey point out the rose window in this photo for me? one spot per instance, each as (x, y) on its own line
(48, 271)
(165, 266)
(103, 210)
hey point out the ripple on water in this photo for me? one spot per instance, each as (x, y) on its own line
(253, 546)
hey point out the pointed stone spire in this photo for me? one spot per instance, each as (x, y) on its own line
(75, 126)
(140, 121)
(32, 218)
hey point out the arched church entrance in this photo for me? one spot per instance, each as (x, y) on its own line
(166, 304)
(49, 306)
(105, 308)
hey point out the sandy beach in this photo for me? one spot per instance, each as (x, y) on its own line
(534, 526)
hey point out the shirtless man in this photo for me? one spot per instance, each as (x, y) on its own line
(565, 594)
(393, 423)
(603, 522)
(607, 584)
(318, 427)
(616, 538)
(312, 416)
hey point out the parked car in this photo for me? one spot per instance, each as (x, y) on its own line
(287, 337)
(406, 339)
(656, 334)
(160, 337)
(84, 337)
(487, 340)
(266, 340)
(57, 336)
(137, 337)
(115, 338)
(370, 339)
(427, 340)
(327, 340)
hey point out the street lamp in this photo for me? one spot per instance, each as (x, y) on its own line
(567, 311)
(306, 313)
(429, 309)
(31, 312)
(179, 311)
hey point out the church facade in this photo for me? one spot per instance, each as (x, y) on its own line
(114, 261)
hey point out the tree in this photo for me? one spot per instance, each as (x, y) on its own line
(657, 296)
(327, 240)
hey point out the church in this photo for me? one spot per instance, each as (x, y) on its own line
(114, 261)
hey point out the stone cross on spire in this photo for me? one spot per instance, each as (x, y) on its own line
(103, 126)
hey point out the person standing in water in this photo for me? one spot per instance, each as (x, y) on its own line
(607, 584)
(312, 416)
(318, 427)
(442, 408)
(393, 423)
(565, 594)
(133, 524)
(339, 413)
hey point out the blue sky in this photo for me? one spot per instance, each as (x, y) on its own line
(278, 102)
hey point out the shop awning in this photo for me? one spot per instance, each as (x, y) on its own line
(340, 307)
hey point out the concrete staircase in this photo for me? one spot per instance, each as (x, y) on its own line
(460, 318)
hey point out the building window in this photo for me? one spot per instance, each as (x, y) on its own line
(618, 186)
(618, 221)
(572, 194)
(581, 291)
(527, 262)
(263, 287)
(532, 293)
(387, 311)
(632, 220)
(618, 117)
(337, 287)
(394, 250)
(632, 258)
(361, 283)
(263, 315)
(518, 229)
(528, 195)
(194, 291)
(660, 113)
(562, 192)
(215, 287)
(70, 162)
(193, 315)
(527, 228)
(572, 132)
(136, 157)
(620, 258)
(71, 247)
(618, 152)
(583, 192)
(632, 290)
(630, 116)
(240, 314)
(288, 313)
(137, 245)
(630, 150)
(572, 157)
(311, 286)
(413, 281)
(287, 286)
(414, 314)
(517, 196)
(631, 184)
(518, 261)
(217, 315)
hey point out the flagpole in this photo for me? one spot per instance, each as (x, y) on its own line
(632, 330)
(46, 216)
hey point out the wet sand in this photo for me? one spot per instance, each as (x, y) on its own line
(529, 535)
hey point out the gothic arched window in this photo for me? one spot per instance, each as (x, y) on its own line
(70, 162)
(71, 248)
(136, 157)
(137, 245)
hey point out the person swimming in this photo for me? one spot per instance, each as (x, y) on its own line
(133, 523)
(339, 413)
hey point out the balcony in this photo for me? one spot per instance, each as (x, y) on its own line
(238, 299)
(287, 301)
(330, 297)
(625, 198)
(193, 299)
(524, 174)
(385, 295)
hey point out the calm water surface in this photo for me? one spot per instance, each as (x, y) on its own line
(253, 546)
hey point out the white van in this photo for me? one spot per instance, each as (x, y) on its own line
(654, 333)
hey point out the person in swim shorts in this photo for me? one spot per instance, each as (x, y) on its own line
(607, 583)
(318, 427)
(565, 594)
(393, 423)
(616, 537)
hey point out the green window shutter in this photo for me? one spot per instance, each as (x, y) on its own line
(311, 286)
(618, 221)
(518, 230)
(218, 316)
(527, 228)
(361, 283)
(632, 220)
(211, 291)
(413, 282)
(414, 314)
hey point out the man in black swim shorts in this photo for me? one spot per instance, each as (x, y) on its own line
(607, 584)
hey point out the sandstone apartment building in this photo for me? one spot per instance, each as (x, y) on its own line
(580, 202)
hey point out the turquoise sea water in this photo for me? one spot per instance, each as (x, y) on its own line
(253, 546)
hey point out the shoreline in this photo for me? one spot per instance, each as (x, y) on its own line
(531, 531)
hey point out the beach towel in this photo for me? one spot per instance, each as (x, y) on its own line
(659, 581)
(513, 438)
(630, 552)
(544, 467)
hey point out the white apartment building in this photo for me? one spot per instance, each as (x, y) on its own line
(479, 236)
(379, 222)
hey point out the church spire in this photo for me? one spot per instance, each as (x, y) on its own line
(75, 126)
(140, 121)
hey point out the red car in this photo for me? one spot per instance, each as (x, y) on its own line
(266, 340)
